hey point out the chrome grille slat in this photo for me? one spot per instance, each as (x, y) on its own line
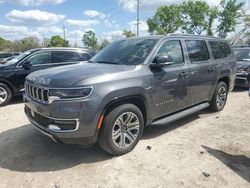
(38, 93)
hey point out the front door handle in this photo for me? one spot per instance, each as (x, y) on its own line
(210, 69)
(183, 75)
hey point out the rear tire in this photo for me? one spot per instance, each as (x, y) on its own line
(121, 130)
(219, 99)
(5, 95)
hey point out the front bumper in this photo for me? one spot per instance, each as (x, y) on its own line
(67, 122)
(242, 80)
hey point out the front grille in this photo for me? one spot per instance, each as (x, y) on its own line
(38, 93)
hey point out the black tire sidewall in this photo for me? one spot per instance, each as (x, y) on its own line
(108, 128)
(9, 93)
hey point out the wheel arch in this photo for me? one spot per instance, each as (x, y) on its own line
(7, 83)
(137, 100)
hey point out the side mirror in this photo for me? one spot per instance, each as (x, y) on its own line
(27, 65)
(162, 61)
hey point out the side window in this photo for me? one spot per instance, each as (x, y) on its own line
(66, 56)
(197, 50)
(40, 58)
(220, 50)
(173, 49)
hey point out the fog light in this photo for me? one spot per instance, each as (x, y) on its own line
(54, 128)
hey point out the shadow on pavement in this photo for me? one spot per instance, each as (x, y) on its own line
(240, 89)
(16, 100)
(240, 164)
(25, 149)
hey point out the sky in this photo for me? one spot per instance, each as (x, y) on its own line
(44, 18)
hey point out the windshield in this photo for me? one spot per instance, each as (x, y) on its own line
(18, 58)
(242, 54)
(125, 52)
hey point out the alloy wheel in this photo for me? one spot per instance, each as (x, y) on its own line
(221, 96)
(126, 129)
(3, 95)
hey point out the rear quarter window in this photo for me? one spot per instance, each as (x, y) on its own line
(220, 50)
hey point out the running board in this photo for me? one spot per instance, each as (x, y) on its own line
(181, 114)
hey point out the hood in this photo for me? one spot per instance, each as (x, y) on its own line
(67, 76)
(242, 64)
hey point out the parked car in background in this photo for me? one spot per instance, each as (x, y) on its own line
(7, 59)
(5, 55)
(128, 85)
(13, 72)
(242, 54)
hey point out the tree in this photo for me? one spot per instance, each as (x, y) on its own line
(243, 36)
(128, 33)
(30, 43)
(89, 40)
(167, 19)
(57, 41)
(104, 43)
(212, 15)
(4, 44)
(194, 15)
(231, 11)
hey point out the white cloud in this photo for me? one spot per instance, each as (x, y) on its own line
(34, 17)
(36, 2)
(94, 14)
(16, 32)
(152, 5)
(52, 29)
(82, 23)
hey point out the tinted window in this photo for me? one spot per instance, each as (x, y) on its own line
(66, 56)
(173, 50)
(126, 52)
(40, 58)
(242, 54)
(197, 50)
(219, 49)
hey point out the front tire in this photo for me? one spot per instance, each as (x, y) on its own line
(121, 130)
(219, 99)
(5, 95)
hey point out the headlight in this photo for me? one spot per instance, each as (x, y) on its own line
(70, 93)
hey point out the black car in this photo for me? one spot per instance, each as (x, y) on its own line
(4, 55)
(14, 72)
(242, 54)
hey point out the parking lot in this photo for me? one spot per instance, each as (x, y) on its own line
(202, 150)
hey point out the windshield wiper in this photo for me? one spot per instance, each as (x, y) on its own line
(107, 62)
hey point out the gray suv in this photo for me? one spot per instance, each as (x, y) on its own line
(129, 85)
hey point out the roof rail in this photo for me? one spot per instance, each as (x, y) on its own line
(186, 34)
